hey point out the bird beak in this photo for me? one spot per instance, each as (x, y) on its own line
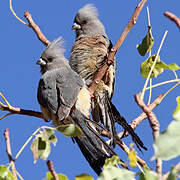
(41, 62)
(76, 26)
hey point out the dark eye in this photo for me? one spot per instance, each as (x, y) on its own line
(50, 59)
(84, 22)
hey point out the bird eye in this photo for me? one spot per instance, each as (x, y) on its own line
(84, 22)
(50, 59)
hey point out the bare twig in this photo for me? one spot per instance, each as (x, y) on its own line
(36, 29)
(173, 17)
(16, 110)
(115, 48)
(155, 128)
(8, 150)
(142, 116)
(123, 146)
(51, 169)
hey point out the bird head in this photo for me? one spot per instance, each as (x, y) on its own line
(53, 56)
(86, 22)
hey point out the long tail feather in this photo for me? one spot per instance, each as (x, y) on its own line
(122, 121)
(102, 112)
(93, 147)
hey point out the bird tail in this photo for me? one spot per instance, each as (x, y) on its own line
(122, 121)
(93, 147)
(102, 112)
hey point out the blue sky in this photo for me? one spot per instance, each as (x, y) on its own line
(19, 74)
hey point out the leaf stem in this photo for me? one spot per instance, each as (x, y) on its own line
(29, 139)
(154, 63)
(162, 83)
(170, 90)
(10, 6)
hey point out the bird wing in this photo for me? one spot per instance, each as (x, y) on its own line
(58, 90)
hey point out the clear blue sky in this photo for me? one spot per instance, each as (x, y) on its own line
(19, 74)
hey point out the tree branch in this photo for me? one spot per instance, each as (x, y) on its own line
(173, 18)
(15, 110)
(113, 51)
(142, 116)
(36, 29)
(123, 146)
(155, 128)
(52, 170)
(115, 48)
(9, 153)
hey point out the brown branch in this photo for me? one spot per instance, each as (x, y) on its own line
(111, 54)
(9, 153)
(115, 48)
(52, 170)
(155, 128)
(36, 29)
(173, 17)
(142, 116)
(123, 146)
(15, 110)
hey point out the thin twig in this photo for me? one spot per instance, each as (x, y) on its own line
(152, 68)
(16, 110)
(142, 116)
(36, 29)
(123, 146)
(162, 83)
(155, 128)
(9, 153)
(11, 8)
(173, 18)
(52, 170)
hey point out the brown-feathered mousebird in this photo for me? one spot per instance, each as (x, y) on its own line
(63, 96)
(88, 54)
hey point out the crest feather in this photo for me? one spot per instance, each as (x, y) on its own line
(88, 9)
(57, 44)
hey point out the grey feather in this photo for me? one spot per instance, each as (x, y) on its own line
(87, 18)
(60, 89)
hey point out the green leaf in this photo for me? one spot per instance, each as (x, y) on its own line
(114, 173)
(41, 145)
(34, 149)
(70, 130)
(173, 174)
(40, 149)
(5, 174)
(113, 161)
(44, 149)
(148, 175)
(167, 145)
(146, 67)
(146, 44)
(84, 177)
(53, 139)
(60, 176)
(48, 135)
(173, 67)
(176, 113)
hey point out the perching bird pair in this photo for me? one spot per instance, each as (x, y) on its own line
(63, 88)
